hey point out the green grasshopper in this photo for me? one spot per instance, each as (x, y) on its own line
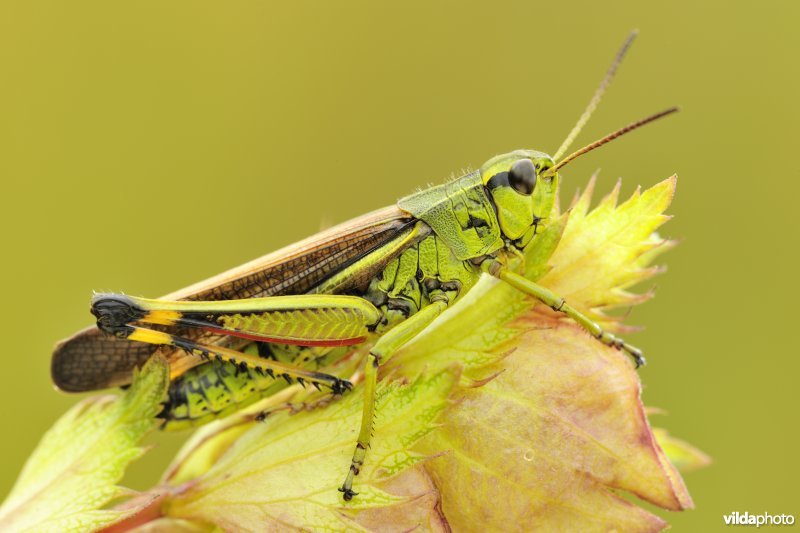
(376, 281)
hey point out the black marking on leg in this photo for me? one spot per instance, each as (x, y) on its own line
(114, 312)
(265, 351)
(184, 345)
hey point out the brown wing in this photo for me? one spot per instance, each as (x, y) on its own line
(91, 360)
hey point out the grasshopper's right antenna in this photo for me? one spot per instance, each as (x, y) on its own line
(598, 94)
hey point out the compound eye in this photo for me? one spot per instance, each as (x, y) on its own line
(522, 176)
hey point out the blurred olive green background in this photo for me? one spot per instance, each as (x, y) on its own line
(147, 145)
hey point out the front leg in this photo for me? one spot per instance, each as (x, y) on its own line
(383, 350)
(500, 271)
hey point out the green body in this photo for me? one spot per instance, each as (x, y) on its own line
(457, 222)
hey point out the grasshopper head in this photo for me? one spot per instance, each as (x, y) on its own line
(522, 191)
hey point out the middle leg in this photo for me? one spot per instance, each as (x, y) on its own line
(384, 349)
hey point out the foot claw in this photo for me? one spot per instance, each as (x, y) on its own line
(634, 352)
(347, 493)
(341, 386)
(637, 356)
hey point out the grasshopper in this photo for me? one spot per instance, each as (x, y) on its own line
(376, 281)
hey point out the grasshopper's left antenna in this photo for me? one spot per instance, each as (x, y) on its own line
(598, 94)
(608, 138)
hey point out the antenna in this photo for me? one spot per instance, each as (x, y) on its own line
(610, 137)
(598, 94)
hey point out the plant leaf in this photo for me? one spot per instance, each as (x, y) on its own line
(74, 471)
(557, 424)
(683, 455)
(284, 473)
(542, 443)
(605, 251)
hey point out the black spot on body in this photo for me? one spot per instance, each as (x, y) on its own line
(498, 180)
(476, 222)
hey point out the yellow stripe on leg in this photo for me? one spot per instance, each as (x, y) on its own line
(150, 336)
(163, 317)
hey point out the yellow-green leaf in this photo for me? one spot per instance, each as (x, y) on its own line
(683, 455)
(604, 251)
(73, 473)
(284, 473)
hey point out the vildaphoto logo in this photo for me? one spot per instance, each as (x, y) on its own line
(764, 519)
